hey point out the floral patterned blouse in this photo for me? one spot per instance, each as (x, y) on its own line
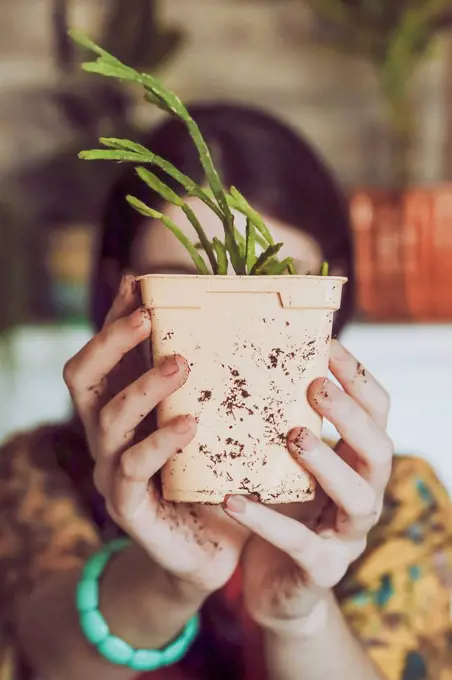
(396, 598)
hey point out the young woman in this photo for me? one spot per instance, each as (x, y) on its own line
(353, 585)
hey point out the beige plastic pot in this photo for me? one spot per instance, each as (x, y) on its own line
(253, 344)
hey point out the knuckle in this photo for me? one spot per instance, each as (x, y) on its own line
(328, 576)
(163, 439)
(99, 481)
(384, 401)
(106, 338)
(358, 548)
(154, 385)
(379, 508)
(364, 503)
(116, 504)
(70, 374)
(381, 446)
(114, 509)
(306, 555)
(120, 509)
(131, 464)
(347, 409)
(338, 573)
(339, 562)
(104, 334)
(128, 465)
(106, 422)
(386, 449)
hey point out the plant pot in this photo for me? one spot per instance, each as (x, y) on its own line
(377, 219)
(428, 252)
(253, 344)
(403, 242)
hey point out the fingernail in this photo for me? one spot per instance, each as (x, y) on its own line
(320, 391)
(301, 441)
(169, 366)
(235, 503)
(140, 317)
(183, 424)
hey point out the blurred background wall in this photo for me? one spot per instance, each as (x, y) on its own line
(295, 58)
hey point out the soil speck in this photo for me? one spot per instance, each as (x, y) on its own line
(236, 395)
(274, 356)
(206, 395)
(361, 371)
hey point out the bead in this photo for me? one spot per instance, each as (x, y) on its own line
(116, 650)
(94, 627)
(192, 628)
(95, 565)
(175, 651)
(87, 595)
(146, 660)
(118, 544)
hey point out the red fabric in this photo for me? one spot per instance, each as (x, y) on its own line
(253, 657)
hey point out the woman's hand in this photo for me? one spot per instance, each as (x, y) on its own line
(113, 397)
(290, 565)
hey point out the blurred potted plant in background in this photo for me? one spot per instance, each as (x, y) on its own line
(91, 108)
(403, 232)
(138, 36)
(65, 201)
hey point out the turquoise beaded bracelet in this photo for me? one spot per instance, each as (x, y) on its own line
(96, 629)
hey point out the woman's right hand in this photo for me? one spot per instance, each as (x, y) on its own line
(113, 395)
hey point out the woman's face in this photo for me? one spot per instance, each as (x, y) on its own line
(156, 249)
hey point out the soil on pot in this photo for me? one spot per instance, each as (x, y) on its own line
(250, 368)
(237, 404)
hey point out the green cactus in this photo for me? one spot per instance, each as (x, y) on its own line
(239, 250)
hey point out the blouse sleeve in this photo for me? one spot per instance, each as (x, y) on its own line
(397, 598)
(43, 525)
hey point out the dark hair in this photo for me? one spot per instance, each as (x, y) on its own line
(269, 163)
(281, 176)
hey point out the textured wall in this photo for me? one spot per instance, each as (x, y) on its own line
(254, 50)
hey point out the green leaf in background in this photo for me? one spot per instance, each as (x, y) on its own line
(394, 36)
(140, 37)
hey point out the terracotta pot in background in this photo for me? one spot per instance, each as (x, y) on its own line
(253, 344)
(403, 243)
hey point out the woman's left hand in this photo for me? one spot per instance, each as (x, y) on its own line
(291, 562)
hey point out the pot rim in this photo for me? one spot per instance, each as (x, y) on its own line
(294, 277)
